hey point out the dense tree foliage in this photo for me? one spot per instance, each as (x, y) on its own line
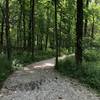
(59, 25)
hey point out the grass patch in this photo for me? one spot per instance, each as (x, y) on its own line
(88, 73)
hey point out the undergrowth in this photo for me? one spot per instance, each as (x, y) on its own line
(5, 68)
(88, 72)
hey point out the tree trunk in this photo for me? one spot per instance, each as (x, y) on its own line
(46, 45)
(41, 42)
(47, 32)
(92, 32)
(30, 28)
(2, 30)
(79, 32)
(33, 26)
(8, 45)
(24, 25)
(56, 34)
(60, 27)
(86, 20)
(19, 30)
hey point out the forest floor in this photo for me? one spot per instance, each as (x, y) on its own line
(39, 81)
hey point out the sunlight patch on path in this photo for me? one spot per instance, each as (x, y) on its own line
(45, 65)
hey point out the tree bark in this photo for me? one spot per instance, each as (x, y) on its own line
(30, 28)
(79, 32)
(2, 30)
(60, 26)
(24, 25)
(86, 20)
(8, 45)
(56, 34)
(33, 26)
(92, 31)
(19, 30)
(47, 32)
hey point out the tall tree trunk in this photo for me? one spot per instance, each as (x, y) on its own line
(47, 32)
(8, 45)
(69, 38)
(92, 31)
(41, 42)
(2, 30)
(79, 32)
(19, 27)
(60, 27)
(86, 20)
(24, 25)
(30, 28)
(1, 35)
(33, 26)
(56, 34)
(38, 41)
(46, 45)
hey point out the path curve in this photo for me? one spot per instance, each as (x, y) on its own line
(39, 81)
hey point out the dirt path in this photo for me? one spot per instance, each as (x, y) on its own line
(39, 81)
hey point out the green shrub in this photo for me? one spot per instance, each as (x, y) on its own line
(22, 58)
(16, 65)
(91, 55)
(67, 66)
(63, 51)
(44, 55)
(5, 67)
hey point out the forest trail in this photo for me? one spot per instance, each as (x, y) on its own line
(39, 81)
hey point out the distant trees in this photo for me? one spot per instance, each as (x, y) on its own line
(34, 26)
